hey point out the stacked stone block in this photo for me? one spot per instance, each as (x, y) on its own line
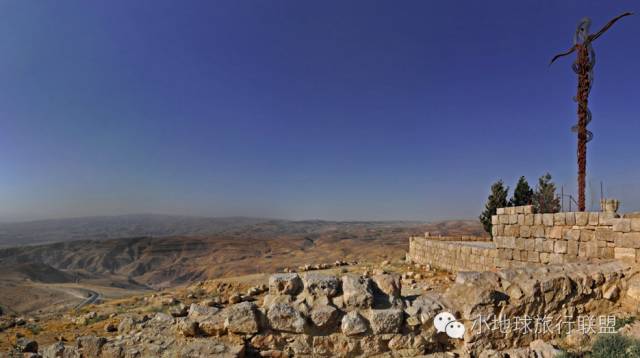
(522, 237)
(431, 237)
(453, 255)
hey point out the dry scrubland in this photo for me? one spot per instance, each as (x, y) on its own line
(342, 289)
(53, 276)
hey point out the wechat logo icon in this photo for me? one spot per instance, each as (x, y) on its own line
(446, 322)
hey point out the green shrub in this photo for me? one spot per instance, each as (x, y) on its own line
(634, 350)
(565, 354)
(613, 346)
(621, 322)
(153, 309)
(34, 328)
(95, 319)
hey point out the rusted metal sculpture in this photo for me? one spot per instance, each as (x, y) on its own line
(583, 67)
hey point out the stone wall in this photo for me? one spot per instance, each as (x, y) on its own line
(522, 237)
(469, 255)
(429, 236)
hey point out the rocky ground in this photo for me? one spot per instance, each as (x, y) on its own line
(340, 309)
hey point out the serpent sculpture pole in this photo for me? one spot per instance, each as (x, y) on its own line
(583, 67)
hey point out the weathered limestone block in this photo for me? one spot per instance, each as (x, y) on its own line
(512, 230)
(513, 219)
(525, 231)
(555, 232)
(91, 346)
(387, 289)
(268, 299)
(544, 257)
(335, 345)
(570, 218)
(635, 224)
(582, 218)
(605, 252)
(197, 311)
(547, 219)
(495, 220)
(283, 317)
(302, 345)
(285, 284)
(372, 345)
(627, 254)
(500, 211)
(633, 290)
(538, 231)
(520, 219)
(505, 254)
(353, 323)
(529, 245)
(571, 234)
(126, 325)
(542, 349)
(556, 259)
(587, 235)
(212, 325)
(241, 318)
(516, 255)
(414, 345)
(588, 249)
(509, 242)
(357, 292)
(324, 316)
(548, 246)
(607, 218)
(628, 239)
(528, 219)
(560, 247)
(559, 219)
(537, 219)
(386, 321)
(572, 248)
(317, 284)
(594, 218)
(271, 342)
(622, 225)
(187, 327)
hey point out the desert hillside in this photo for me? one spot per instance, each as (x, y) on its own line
(117, 267)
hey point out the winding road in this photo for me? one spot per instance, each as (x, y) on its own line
(94, 297)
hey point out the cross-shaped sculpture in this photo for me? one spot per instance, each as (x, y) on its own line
(583, 67)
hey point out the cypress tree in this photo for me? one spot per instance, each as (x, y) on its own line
(545, 199)
(522, 194)
(497, 199)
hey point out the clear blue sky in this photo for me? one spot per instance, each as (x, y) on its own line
(300, 109)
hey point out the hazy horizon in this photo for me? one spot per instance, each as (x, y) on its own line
(62, 218)
(298, 110)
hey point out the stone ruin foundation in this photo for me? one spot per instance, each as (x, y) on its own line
(543, 266)
(563, 265)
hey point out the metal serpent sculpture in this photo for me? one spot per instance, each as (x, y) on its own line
(583, 67)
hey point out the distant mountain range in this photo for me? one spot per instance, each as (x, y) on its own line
(115, 227)
(136, 252)
(150, 225)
